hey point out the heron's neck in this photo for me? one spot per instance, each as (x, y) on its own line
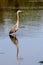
(17, 18)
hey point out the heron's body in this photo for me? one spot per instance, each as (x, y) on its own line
(16, 26)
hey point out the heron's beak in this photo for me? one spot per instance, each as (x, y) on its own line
(21, 11)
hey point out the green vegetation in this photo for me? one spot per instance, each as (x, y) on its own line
(21, 3)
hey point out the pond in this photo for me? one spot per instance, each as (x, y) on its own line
(26, 48)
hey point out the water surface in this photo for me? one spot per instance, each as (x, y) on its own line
(26, 48)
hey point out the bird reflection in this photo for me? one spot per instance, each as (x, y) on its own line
(15, 41)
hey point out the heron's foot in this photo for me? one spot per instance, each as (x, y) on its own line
(19, 58)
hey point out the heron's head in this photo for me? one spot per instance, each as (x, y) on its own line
(19, 11)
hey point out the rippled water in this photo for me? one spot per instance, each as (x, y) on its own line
(26, 48)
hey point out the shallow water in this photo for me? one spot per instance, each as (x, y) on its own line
(26, 48)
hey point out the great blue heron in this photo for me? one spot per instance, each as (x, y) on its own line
(16, 26)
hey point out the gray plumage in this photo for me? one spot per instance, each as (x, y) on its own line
(16, 26)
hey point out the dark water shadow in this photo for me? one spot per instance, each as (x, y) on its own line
(1, 53)
(41, 62)
(16, 42)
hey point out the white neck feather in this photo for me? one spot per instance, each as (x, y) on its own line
(17, 18)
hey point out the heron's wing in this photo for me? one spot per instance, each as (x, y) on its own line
(14, 28)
